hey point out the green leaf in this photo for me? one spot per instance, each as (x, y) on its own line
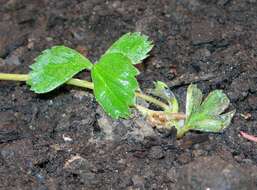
(215, 103)
(115, 84)
(54, 67)
(213, 123)
(193, 99)
(205, 116)
(133, 45)
(161, 90)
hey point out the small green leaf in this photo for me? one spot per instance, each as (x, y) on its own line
(213, 123)
(115, 84)
(193, 99)
(215, 103)
(161, 90)
(54, 67)
(205, 116)
(133, 45)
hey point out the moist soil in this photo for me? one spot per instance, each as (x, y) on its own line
(63, 140)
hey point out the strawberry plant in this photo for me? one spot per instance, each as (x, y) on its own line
(115, 86)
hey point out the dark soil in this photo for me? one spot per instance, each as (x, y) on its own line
(63, 140)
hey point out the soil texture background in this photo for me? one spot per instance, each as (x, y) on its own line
(63, 140)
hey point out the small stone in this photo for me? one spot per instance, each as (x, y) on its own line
(184, 158)
(49, 39)
(116, 4)
(18, 153)
(2, 62)
(193, 5)
(141, 131)
(201, 54)
(88, 178)
(82, 49)
(79, 94)
(12, 60)
(156, 152)
(11, 38)
(13, 5)
(172, 175)
(31, 43)
(67, 138)
(222, 3)
(239, 89)
(40, 177)
(198, 152)
(204, 32)
(77, 163)
(105, 123)
(138, 181)
(214, 173)
(252, 101)
(14, 57)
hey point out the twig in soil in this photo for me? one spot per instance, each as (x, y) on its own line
(9, 136)
(190, 78)
(68, 163)
(248, 137)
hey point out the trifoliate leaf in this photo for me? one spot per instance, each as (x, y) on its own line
(205, 116)
(54, 67)
(161, 90)
(115, 84)
(133, 45)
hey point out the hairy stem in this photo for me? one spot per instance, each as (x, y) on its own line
(83, 84)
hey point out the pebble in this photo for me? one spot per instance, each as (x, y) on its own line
(13, 60)
(214, 173)
(252, 101)
(184, 158)
(138, 181)
(172, 175)
(204, 32)
(156, 152)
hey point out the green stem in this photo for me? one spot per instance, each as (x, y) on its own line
(152, 100)
(83, 84)
(24, 77)
(182, 131)
(14, 77)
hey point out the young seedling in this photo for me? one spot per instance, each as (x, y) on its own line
(115, 86)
